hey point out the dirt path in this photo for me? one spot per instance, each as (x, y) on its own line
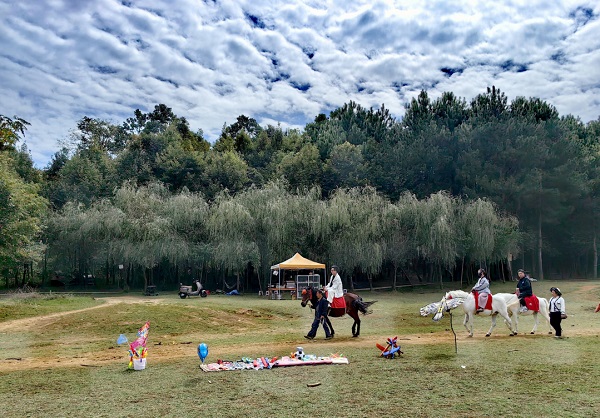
(26, 323)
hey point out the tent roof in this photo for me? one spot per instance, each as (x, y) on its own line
(298, 262)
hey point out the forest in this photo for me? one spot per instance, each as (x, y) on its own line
(453, 185)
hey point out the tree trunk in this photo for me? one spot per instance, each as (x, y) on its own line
(128, 276)
(541, 266)
(462, 269)
(24, 274)
(595, 257)
(107, 270)
(394, 285)
(45, 271)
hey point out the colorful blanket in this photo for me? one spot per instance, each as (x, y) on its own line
(267, 363)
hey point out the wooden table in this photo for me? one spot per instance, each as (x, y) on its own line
(278, 290)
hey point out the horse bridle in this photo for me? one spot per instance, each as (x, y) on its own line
(307, 291)
(441, 307)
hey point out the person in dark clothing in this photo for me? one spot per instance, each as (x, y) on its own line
(320, 317)
(524, 289)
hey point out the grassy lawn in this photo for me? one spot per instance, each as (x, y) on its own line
(31, 305)
(69, 364)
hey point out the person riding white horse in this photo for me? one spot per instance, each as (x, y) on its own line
(482, 287)
(455, 298)
(513, 306)
(524, 289)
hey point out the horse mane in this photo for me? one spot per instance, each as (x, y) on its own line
(460, 294)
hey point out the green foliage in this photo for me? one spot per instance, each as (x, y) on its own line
(492, 105)
(87, 176)
(11, 130)
(225, 171)
(345, 168)
(302, 169)
(21, 212)
(99, 134)
(354, 227)
(471, 180)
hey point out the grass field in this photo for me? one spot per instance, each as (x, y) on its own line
(59, 357)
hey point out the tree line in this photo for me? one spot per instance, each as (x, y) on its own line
(451, 186)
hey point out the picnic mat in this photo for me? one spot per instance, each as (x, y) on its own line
(267, 363)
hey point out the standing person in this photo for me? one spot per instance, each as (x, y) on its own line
(524, 289)
(557, 310)
(335, 288)
(320, 317)
(483, 288)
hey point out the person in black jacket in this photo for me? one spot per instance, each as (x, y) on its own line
(320, 317)
(524, 289)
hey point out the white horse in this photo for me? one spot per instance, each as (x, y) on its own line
(455, 298)
(513, 305)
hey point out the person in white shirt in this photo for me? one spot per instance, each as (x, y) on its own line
(335, 288)
(557, 310)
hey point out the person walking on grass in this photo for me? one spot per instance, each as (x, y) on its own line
(557, 310)
(320, 318)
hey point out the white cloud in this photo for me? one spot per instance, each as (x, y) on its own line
(285, 61)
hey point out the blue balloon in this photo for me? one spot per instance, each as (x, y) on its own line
(122, 339)
(202, 351)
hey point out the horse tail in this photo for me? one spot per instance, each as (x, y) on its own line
(363, 306)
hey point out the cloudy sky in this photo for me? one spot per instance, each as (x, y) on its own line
(284, 61)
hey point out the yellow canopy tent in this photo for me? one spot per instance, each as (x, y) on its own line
(297, 262)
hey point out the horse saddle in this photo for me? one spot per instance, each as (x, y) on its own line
(488, 305)
(338, 303)
(532, 303)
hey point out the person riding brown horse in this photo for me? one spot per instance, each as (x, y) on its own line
(354, 305)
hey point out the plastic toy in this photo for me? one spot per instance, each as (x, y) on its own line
(391, 349)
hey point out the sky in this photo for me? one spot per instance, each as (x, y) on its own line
(283, 62)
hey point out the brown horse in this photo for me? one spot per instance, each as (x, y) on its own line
(354, 305)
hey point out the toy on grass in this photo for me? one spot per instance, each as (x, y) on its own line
(202, 352)
(137, 349)
(299, 354)
(391, 349)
